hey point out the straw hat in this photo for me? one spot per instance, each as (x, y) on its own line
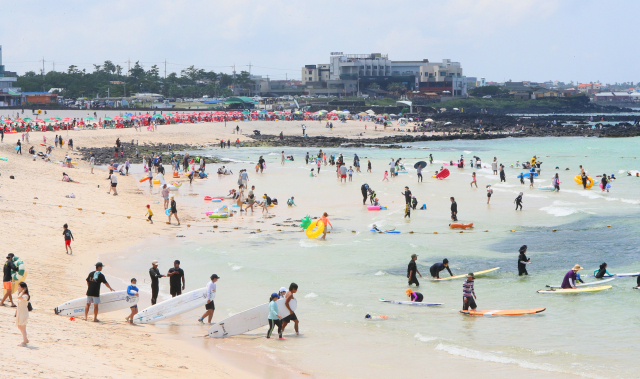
(577, 267)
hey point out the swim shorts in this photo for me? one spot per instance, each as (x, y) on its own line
(114, 185)
(210, 306)
(93, 299)
(471, 303)
(67, 242)
(6, 285)
(343, 176)
(290, 318)
(175, 291)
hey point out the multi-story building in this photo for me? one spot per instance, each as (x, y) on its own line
(350, 73)
(9, 95)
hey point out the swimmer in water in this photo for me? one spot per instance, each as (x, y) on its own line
(375, 228)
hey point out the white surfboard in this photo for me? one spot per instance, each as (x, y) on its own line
(109, 302)
(173, 307)
(586, 284)
(249, 320)
(408, 302)
(627, 275)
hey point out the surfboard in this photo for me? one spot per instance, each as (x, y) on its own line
(547, 188)
(577, 290)
(387, 232)
(173, 307)
(109, 302)
(526, 175)
(465, 275)
(586, 284)
(507, 312)
(627, 275)
(249, 320)
(408, 302)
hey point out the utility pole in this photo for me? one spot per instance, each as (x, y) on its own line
(249, 68)
(128, 66)
(54, 65)
(233, 88)
(43, 67)
(165, 69)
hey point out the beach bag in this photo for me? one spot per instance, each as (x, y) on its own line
(29, 307)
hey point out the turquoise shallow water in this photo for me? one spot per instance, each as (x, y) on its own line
(341, 280)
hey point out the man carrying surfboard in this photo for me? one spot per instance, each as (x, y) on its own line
(211, 294)
(94, 279)
(437, 267)
(293, 288)
(468, 294)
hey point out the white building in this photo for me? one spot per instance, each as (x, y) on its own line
(349, 73)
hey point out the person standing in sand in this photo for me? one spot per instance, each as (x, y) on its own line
(132, 290)
(165, 196)
(293, 288)
(175, 275)
(68, 236)
(22, 312)
(454, 209)
(494, 166)
(94, 280)
(154, 273)
(8, 269)
(211, 294)
(251, 199)
(173, 211)
(282, 158)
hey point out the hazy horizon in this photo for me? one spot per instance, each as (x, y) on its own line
(500, 40)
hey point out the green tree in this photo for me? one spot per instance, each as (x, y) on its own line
(373, 85)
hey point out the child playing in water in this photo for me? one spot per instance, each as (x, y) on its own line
(325, 222)
(291, 203)
(132, 290)
(473, 180)
(312, 174)
(149, 214)
(386, 176)
(489, 193)
(368, 165)
(407, 210)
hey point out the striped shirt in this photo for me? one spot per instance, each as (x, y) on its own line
(467, 289)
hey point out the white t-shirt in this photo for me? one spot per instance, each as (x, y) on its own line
(114, 178)
(211, 290)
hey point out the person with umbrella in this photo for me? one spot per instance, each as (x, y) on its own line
(419, 166)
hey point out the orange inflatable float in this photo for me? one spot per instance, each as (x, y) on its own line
(457, 225)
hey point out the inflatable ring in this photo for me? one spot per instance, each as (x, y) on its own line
(156, 181)
(373, 207)
(319, 228)
(218, 215)
(18, 276)
(176, 184)
(167, 211)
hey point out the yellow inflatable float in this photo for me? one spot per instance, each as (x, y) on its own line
(578, 180)
(319, 228)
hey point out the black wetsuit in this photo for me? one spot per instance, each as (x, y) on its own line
(364, 188)
(412, 273)
(454, 211)
(436, 268)
(407, 196)
(518, 202)
(522, 266)
(601, 273)
(154, 273)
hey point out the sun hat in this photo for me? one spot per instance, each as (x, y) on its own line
(154, 262)
(577, 267)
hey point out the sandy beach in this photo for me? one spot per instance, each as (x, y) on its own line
(35, 208)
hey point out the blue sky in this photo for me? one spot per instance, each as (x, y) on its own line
(499, 39)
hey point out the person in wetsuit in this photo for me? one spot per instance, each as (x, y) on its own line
(602, 271)
(518, 201)
(364, 189)
(523, 261)
(407, 195)
(412, 270)
(154, 273)
(416, 297)
(454, 210)
(437, 267)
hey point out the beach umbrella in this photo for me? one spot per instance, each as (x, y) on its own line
(89, 118)
(345, 111)
(27, 119)
(108, 119)
(67, 119)
(429, 120)
(157, 115)
(421, 164)
(53, 119)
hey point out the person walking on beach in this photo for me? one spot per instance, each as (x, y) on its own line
(176, 276)
(165, 196)
(494, 166)
(435, 269)
(503, 177)
(454, 209)
(92, 162)
(22, 311)
(8, 269)
(244, 176)
(149, 214)
(518, 201)
(325, 222)
(282, 157)
(114, 183)
(173, 211)
(368, 166)
(251, 199)
(523, 261)
(412, 270)
(343, 173)
(293, 288)
(94, 279)
(132, 290)
(211, 294)
(19, 147)
(473, 180)
(68, 236)
(468, 293)
(489, 193)
(274, 318)
(155, 275)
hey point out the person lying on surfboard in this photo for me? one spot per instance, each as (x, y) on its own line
(374, 227)
(416, 297)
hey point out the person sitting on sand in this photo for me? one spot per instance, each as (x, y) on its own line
(66, 178)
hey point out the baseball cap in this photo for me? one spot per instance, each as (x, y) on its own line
(214, 276)
(99, 264)
(414, 255)
(154, 262)
(282, 289)
(275, 295)
(10, 255)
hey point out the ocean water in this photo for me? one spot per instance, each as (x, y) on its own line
(341, 280)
